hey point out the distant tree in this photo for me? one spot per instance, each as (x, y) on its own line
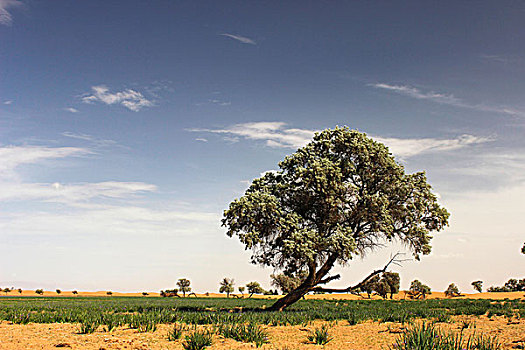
(184, 286)
(227, 286)
(334, 200)
(477, 285)
(418, 290)
(287, 283)
(19, 290)
(523, 249)
(145, 294)
(452, 291)
(393, 281)
(6, 290)
(109, 293)
(58, 291)
(39, 291)
(370, 286)
(74, 292)
(254, 288)
(241, 290)
(382, 288)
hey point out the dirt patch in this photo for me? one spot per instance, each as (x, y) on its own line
(367, 335)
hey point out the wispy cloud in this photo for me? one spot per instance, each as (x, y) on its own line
(8, 102)
(131, 99)
(406, 148)
(242, 39)
(14, 156)
(276, 134)
(71, 110)
(447, 99)
(85, 137)
(5, 16)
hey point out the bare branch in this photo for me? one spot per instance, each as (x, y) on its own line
(329, 279)
(352, 289)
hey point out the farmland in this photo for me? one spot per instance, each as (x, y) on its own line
(90, 320)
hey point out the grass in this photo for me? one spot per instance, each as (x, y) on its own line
(250, 333)
(426, 336)
(320, 336)
(198, 340)
(176, 332)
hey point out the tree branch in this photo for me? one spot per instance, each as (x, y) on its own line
(329, 279)
(352, 289)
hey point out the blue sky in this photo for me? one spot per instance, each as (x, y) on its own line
(127, 128)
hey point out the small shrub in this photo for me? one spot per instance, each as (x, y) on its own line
(320, 336)
(89, 325)
(198, 340)
(176, 332)
(250, 333)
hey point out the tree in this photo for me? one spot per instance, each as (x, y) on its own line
(287, 283)
(418, 290)
(74, 292)
(145, 294)
(523, 249)
(477, 285)
(336, 199)
(19, 290)
(39, 291)
(6, 290)
(241, 290)
(254, 288)
(393, 281)
(382, 288)
(452, 291)
(109, 293)
(58, 291)
(184, 286)
(227, 286)
(370, 286)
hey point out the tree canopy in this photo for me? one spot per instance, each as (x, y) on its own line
(477, 285)
(184, 285)
(338, 198)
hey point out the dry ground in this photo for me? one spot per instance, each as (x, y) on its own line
(368, 335)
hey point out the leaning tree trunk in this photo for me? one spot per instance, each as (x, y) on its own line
(289, 299)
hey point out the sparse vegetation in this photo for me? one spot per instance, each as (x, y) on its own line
(512, 285)
(226, 286)
(198, 340)
(452, 291)
(320, 336)
(176, 332)
(478, 286)
(254, 288)
(418, 290)
(184, 286)
(250, 333)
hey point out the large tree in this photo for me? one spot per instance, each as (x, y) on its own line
(339, 197)
(184, 286)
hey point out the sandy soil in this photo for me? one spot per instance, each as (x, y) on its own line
(368, 335)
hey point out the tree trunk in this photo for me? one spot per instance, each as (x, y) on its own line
(289, 299)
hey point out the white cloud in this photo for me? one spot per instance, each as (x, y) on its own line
(86, 137)
(131, 99)
(276, 134)
(71, 193)
(71, 109)
(447, 99)
(8, 102)
(201, 139)
(405, 148)
(5, 16)
(13, 156)
(242, 39)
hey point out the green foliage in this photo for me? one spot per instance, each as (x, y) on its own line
(176, 332)
(250, 333)
(89, 324)
(287, 283)
(198, 340)
(393, 281)
(418, 290)
(452, 291)
(254, 288)
(477, 285)
(226, 286)
(335, 199)
(512, 285)
(184, 285)
(320, 336)
(426, 337)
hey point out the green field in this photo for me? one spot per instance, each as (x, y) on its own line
(200, 311)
